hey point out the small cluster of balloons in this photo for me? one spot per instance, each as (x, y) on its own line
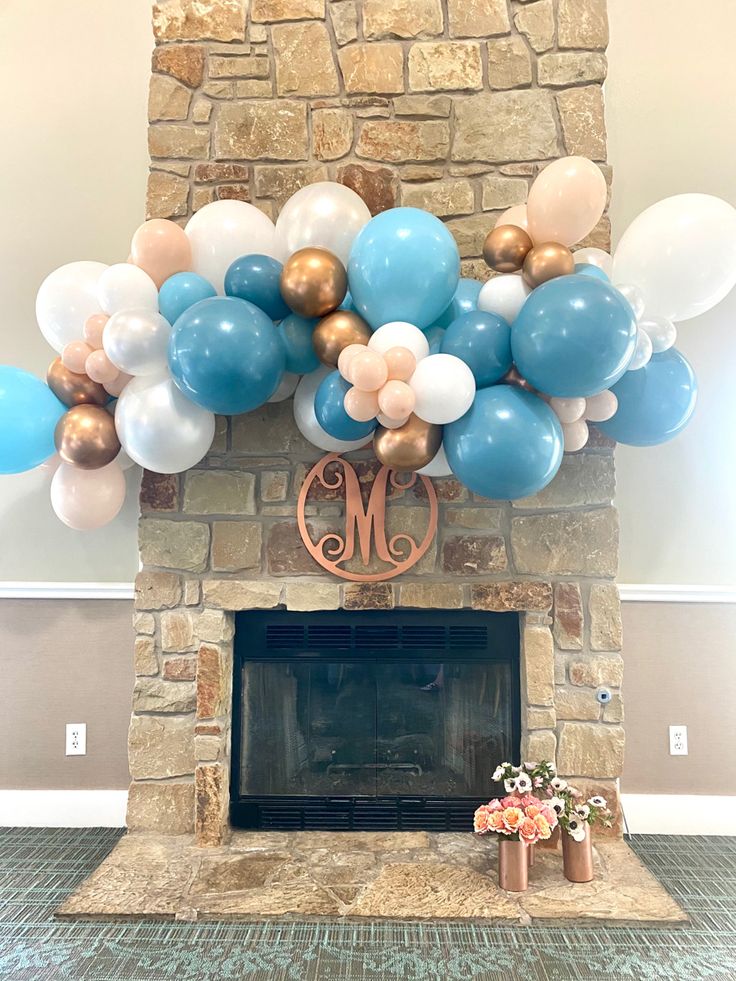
(368, 324)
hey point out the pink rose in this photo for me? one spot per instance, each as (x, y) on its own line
(511, 801)
(494, 805)
(528, 831)
(549, 816)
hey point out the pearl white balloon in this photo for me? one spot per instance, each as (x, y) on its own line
(126, 287)
(444, 387)
(662, 333)
(634, 296)
(567, 410)
(504, 296)
(66, 298)
(438, 465)
(595, 257)
(287, 387)
(325, 214)
(87, 499)
(159, 427)
(398, 333)
(575, 435)
(222, 232)
(642, 352)
(601, 407)
(306, 420)
(137, 341)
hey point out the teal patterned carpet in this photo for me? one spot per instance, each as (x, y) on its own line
(39, 867)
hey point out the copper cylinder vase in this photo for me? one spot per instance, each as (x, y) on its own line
(513, 865)
(530, 855)
(553, 842)
(577, 857)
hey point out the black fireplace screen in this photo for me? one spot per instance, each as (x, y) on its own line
(371, 720)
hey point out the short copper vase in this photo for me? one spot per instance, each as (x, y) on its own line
(552, 843)
(513, 865)
(577, 857)
(530, 855)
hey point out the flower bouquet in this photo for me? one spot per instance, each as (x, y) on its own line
(576, 819)
(521, 821)
(542, 779)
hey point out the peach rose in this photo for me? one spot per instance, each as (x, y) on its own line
(480, 821)
(528, 831)
(542, 826)
(512, 818)
(511, 801)
(531, 810)
(529, 800)
(495, 822)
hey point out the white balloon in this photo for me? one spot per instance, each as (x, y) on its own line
(567, 410)
(595, 257)
(681, 252)
(504, 296)
(66, 298)
(124, 461)
(306, 420)
(444, 387)
(87, 499)
(222, 232)
(575, 435)
(438, 465)
(137, 341)
(635, 298)
(325, 214)
(662, 333)
(159, 427)
(398, 333)
(287, 387)
(600, 407)
(126, 287)
(642, 351)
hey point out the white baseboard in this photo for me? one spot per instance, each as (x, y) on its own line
(63, 808)
(679, 814)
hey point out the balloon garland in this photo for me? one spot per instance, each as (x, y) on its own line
(368, 324)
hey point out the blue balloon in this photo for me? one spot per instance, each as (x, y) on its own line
(226, 355)
(330, 410)
(588, 269)
(483, 342)
(29, 411)
(508, 445)
(296, 334)
(404, 265)
(574, 336)
(655, 402)
(347, 303)
(434, 337)
(464, 300)
(181, 291)
(257, 278)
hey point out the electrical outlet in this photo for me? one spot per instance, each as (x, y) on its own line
(76, 739)
(678, 740)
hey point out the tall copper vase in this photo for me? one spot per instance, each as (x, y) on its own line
(530, 855)
(577, 857)
(513, 865)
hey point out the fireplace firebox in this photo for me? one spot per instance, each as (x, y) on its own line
(364, 720)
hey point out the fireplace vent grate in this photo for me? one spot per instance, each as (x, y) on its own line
(375, 637)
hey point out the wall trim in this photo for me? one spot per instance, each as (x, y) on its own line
(678, 814)
(63, 808)
(667, 593)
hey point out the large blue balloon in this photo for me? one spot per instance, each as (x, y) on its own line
(654, 402)
(29, 411)
(330, 410)
(257, 278)
(181, 291)
(507, 445)
(296, 334)
(464, 300)
(588, 269)
(483, 342)
(226, 355)
(574, 336)
(404, 265)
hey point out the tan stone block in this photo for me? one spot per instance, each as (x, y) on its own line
(478, 18)
(505, 596)
(423, 105)
(538, 745)
(537, 666)
(368, 596)
(474, 555)
(157, 590)
(199, 20)
(582, 24)
(208, 749)
(167, 98)
(274, 485)
(235, 594)
(604, 607)
(583, 479)
(583, 542)
(599, 238)
(212, 682)
(157, 695)
(166, 195)
(183, 61)
(219, 89)
(583, 123)
(236, 545)
(238, 66)
(568, 617)
(161, 808)
(174, 544)
(499, 193)
(144, 653)
(537, 718)
(233, 192)
(397, 140)
(332, 133)
(590, 750)
(536, 21)
(262, 130)
(483, 519)
(431, 595)
(304, 60)
(445, 65)
(257, 33)
(144, 623)
(502, 126)
(210, 172)
(202, 196)
(312, 596)
(402, 18)
(160, 747)
(215, 626)
(509, 63)
(201, 111)
(177, 140)
(177, 630)
(475, 269)
(443, 198)
(372, 67)
(597, 670)
(180, 669)
(279, 183)
(377, 186)
(211, 804)
(219, 492)
(253, 88)
(191, 592)
(470, 233)
(344, 17)
(576, 703)
(613, 711)
(568, 68)
(267, 11)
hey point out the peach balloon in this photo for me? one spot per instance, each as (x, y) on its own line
(600, 407)
(566, 201)
(75, 355)
(93, 328)
(401, 365)
(388, 423)
(396, 400)
(115, 387)
(100, 368)
(361, 406)
(515, 216)
(346, 359)
(368, 370)
(161, 248)
(86, 499)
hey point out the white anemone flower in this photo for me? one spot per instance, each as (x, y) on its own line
(510, 785)
(557, 804)
(523, 783)
(557, 783)
(582, 811)
(597, 801)
(498, 772)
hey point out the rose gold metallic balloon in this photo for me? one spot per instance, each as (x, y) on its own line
(409, 447)
(313, 282)
(337, 331)
(512, 377)
(85, 437)
(74, 389)
(547, 261)
(506, 247)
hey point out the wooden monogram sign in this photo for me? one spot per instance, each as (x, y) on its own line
(363, 526)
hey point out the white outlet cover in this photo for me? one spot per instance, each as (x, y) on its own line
(76, 739)
(678, 740)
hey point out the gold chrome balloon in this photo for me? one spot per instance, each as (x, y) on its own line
(337, 331)
(410, 447)
(547, 261)
(512, 377)
(506, 247)
(74, 389)
(313, 282)
(85, 437)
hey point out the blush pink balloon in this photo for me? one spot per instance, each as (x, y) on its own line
(100, 368)
(396, 400)
(87, 499)
(361, 406)
(514, 216)
(93, 328)
(599, 408)
(161, 248)
(565, 201)
(74, 356)
(575, 435)
(401, 364)
(388, 423)
(368, 370)
(346, 359)
(115, 387)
